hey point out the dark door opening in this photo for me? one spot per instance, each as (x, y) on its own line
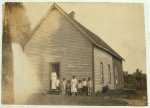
(54, 67)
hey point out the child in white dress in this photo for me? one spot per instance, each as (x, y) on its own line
(90, 86)
(79, 87)
(58, 84)
(63, 88)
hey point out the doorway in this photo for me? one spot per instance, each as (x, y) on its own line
(54, 67)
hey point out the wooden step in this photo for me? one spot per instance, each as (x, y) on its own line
(54, 92)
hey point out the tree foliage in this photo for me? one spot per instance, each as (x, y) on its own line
(17, 20)
(137, 80)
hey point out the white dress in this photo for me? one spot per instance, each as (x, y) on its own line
(64, 87)
(53, 79)
(74, 85)
(57, 83)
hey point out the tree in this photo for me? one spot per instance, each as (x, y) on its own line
(136, 80)
(15, 27)
(138, 71)
(17, 20)
(138, 75)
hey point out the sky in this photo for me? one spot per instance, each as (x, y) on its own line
(121, 26)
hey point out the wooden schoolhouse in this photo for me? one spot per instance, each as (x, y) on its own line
(60, 43)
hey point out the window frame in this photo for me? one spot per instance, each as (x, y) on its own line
(109, 73)
(101, 72)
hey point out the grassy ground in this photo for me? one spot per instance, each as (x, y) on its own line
(73, 100)
(100, 100)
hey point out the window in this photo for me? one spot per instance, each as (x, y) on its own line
(116, 78)
(109, 74)
(101, 73)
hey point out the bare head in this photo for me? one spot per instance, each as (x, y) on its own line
(89, 79)
(79, 81)
(68, 81)
(74, 76)
(64, 79)
(84, 79)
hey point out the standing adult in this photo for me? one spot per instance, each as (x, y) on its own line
(53, 80)
(74, 85)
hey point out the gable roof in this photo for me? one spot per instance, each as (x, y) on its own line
(96, 40)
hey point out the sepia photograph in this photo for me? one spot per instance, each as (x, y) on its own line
(73, 53)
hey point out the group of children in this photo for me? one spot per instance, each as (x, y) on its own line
(74, 87)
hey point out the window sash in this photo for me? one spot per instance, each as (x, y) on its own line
(101, 73)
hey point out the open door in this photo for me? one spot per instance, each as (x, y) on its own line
(54, 67)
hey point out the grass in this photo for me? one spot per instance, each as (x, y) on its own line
(140, 99)
(73, 100)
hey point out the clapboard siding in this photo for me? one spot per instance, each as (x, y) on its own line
(105, 58)
(57, 40)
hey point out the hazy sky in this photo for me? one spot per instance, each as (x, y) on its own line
(120, 25)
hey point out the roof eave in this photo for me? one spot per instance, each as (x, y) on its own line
(72, 21)
(120, 58)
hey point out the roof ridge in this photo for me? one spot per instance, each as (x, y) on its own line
(90, 35)
(112, 50)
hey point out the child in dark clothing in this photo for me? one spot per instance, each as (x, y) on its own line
(68, 88)
(84, 87)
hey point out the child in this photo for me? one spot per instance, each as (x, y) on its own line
(89, 85)
(68, 88)
(84, 88)
(79, 87)
(74, 85)
(105, 88)
(63, 88)
(58, 84)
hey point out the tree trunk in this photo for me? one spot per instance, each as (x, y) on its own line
(7, 65)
